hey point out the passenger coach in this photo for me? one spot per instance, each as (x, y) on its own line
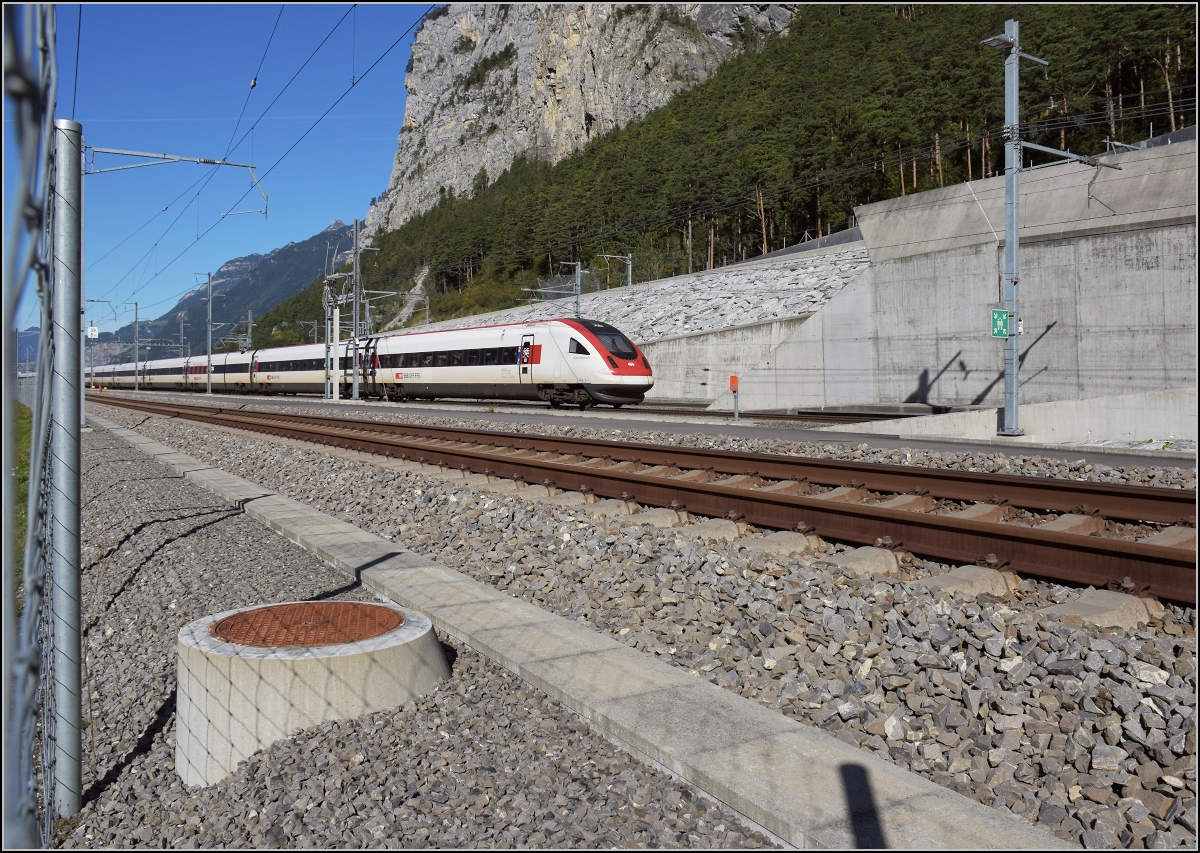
(568, 361)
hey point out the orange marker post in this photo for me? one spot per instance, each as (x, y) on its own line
(733, 387)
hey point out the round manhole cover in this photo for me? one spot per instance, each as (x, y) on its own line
(317, 624)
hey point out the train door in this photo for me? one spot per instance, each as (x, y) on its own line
(368, 352)
(526, 357)
(345, 369)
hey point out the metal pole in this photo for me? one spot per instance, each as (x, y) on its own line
(83, 338)
(578, 282)
(208, 385)
(1012, 276)
(64, 443)
(337, 358)
(328, 372)
(629, 269)
(354, 326)
(137, 350)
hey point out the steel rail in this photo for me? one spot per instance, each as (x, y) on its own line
(1113, 501)
(798, 417)
(1168, 573)
(699, 410)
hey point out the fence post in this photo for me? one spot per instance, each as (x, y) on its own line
(64, 443)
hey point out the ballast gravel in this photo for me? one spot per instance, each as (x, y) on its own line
(1090, 733)
(483, 761)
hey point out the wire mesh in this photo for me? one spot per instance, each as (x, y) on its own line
(29, 87)
(563, 286)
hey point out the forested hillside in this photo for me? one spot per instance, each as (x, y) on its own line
(857, 104)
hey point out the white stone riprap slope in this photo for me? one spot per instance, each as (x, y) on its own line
(723, 298)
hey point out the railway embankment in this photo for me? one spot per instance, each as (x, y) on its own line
(1088, 733)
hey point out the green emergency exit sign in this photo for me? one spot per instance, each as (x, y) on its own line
(999, 323)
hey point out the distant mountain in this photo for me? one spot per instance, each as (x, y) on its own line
(253, 285)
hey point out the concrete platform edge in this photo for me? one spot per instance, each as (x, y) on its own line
(805, 787)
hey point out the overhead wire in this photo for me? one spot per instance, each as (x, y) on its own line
(253, 83)
(78, 39)
(287, 85)
(212, 172)
(281, 158)
(144, 224)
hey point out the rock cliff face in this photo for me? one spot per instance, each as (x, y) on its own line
(490, 82)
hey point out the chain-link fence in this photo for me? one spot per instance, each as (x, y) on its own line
(563, 286)
(566, 286)
(29, 88)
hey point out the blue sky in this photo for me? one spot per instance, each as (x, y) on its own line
(174, 79)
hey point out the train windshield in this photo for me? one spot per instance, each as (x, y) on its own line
(611, 339)
(617, 344)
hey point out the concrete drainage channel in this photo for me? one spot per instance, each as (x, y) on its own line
(798, 783)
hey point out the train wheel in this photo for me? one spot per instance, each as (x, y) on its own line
(556, 404)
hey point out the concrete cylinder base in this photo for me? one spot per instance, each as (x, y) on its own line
(234, 698)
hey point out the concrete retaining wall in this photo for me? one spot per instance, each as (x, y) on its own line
(697, 367)
(1158, 416)
(1108, 298)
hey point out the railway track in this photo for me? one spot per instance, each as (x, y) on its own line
(953, 516)
(676, 410)
(687, 410)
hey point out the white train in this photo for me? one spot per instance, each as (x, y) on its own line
(563, 362)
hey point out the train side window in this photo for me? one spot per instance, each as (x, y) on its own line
(577, 348)
(489, 356)
(456, 358)
(472, 357)
(442, 359)
(426, 359)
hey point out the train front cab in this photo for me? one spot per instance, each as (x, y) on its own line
(622, 376)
